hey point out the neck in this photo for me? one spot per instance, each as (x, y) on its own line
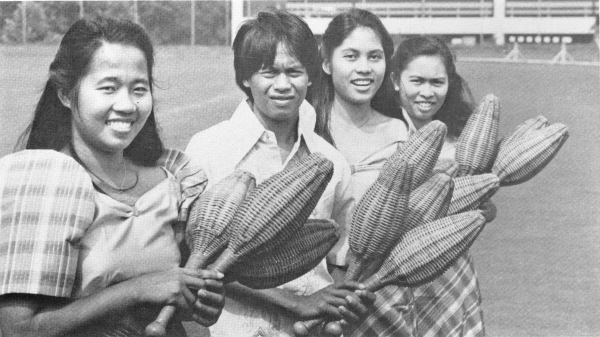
(286, 131)
(97, 161)
(419, 123)
(358, 114)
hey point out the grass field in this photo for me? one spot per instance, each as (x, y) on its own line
(539, 261)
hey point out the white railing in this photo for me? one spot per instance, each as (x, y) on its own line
(551, 8)
(433, 8)
(419, 8)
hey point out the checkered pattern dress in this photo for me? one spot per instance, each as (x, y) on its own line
(394, 316)
(451, 304)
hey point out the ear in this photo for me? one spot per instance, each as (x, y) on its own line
(64, 98)
(326, 67)
(309, 83)
(395, 81)
(246, 83)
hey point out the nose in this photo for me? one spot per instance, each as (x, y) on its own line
(282, 82)
(124, 102)
(426, 90)
(363, 66)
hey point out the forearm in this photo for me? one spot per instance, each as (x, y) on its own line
(280, 298)
(31, 315)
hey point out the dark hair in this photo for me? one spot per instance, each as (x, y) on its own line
(458, 105)
(255, 45)
(51, 125)
(337, 31)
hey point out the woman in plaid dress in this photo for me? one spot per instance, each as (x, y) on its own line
(429, 89)
(121, 268)
(358, 114)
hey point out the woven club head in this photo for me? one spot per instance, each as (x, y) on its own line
(430, 201)
(477, 141)
(46, 197)
(208, 227)
(427, 251)
(531, 124)
(447, 166)
(422, 150)
(378, 221)
(277, 208)
(526, 155)
(470, 191)
(290, 259)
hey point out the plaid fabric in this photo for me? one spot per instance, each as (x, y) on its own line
(451, 304)
(46, 204)
(394, 314)
(189, 174)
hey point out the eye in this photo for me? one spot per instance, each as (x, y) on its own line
(350, 56)
(376, 57)
(416, 81)
(141, 90)
(268, 73)
(108, 88)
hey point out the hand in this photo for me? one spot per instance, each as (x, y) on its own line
(210, 302)
(357, 309)
(488, 210)
(172, 286)
(325, 302)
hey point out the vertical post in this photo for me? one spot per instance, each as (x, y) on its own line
(136, 15)
(499, 19)
(481, 15)
(237, 16)
(24, 21)
(81, 10)
(193, 23)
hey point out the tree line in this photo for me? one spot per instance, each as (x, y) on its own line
(167, 22)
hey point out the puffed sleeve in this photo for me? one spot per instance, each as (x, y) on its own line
(190, 175)
(46, 205)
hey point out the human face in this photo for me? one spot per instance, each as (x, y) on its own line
(114, 99)
(357, 67)
(279, 89)
(423, 87)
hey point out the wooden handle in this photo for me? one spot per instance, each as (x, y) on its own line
(303, 328)
(158, 328)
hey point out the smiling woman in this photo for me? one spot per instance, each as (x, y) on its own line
(96, 113)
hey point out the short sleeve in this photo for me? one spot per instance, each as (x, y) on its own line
(46, 205)
(190, 175)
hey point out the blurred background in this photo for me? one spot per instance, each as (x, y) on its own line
(538, 262)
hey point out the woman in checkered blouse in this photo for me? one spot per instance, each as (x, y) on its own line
(97, 108)
(424, 74)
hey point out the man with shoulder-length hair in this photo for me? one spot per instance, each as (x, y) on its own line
(276, 61)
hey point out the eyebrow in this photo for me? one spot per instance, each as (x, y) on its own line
(116, 79)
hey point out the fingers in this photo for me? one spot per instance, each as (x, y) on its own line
(367, 297)
(208, 307)
(203, 273)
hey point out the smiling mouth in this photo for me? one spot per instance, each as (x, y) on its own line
(425, 105)
(362, 82)
(120, 125)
